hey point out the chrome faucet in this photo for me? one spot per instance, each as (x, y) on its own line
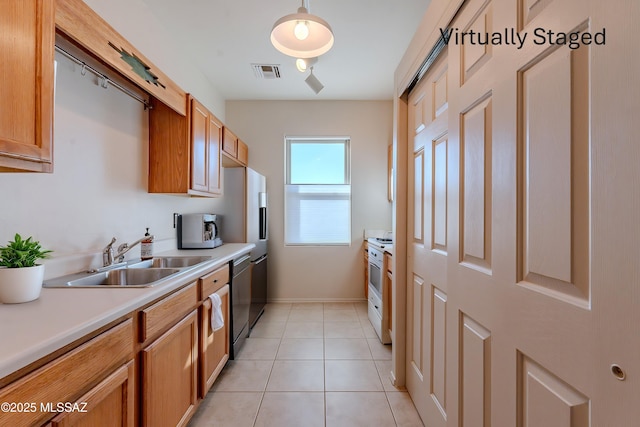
(107, 254)
(108, 257)
(125, 247)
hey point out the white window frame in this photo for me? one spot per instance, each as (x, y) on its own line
(289, 140)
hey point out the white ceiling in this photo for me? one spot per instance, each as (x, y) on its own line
(224, 37)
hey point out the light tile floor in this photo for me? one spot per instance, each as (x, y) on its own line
(309, 364)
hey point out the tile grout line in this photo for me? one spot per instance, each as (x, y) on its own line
(324, 370)
(362, 322)
(255, 419)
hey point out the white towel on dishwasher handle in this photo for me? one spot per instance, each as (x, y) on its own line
(217, 321)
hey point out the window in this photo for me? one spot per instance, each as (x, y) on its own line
(317, 192)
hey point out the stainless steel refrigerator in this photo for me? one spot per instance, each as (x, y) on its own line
(244, 219)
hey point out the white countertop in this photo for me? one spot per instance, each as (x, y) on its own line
(60, 316)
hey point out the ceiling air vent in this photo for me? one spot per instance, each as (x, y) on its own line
(266, 71)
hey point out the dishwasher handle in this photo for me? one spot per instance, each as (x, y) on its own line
(240, 264)
(260, 260)
(238, 261)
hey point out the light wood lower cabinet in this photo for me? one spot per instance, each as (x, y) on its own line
(152, 373)
(214, 346)
(166, 312)
(169, 375)
(82, 371)
(109, 404)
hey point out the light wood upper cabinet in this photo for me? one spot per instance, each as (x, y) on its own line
(230, 143)
(215, 162)
(184, 151)
(206, 132)
(86, 28)
(243, 153)
(199, 149)
(235, 151)
(26, 83)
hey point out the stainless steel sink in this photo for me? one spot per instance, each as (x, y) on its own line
(122, 277)
(170, 262)
(138, 274)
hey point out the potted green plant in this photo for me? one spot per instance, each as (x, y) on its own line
(20, 276)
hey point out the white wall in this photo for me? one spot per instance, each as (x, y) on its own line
(318, 273)
(99, 185)
(98, 188)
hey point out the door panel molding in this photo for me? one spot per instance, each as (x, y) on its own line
(417, 353)
(474, 56)
(438, 357)
(439, 194)
(554, 171)
(475, 373)
(546, 400)
(476, 185)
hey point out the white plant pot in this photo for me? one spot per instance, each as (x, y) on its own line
(20, 284)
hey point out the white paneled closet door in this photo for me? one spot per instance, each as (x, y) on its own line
(523, 300)
(428, 242)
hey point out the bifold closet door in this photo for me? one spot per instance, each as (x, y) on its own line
(522, 301)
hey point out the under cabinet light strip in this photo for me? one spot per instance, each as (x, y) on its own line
(105, 80)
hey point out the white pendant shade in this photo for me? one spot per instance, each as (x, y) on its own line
(312, 38)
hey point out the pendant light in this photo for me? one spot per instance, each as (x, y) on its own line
(302, 35)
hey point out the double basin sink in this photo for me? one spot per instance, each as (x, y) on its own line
(133, 274)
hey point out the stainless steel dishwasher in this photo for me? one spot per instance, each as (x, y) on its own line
(258, 289)
(240, 302)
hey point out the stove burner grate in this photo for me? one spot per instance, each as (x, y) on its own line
(381, 240)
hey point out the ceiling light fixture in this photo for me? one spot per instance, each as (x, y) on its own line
(314, 83)
(303, 64)
(302, 35)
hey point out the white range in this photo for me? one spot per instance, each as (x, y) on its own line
(377, 293)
